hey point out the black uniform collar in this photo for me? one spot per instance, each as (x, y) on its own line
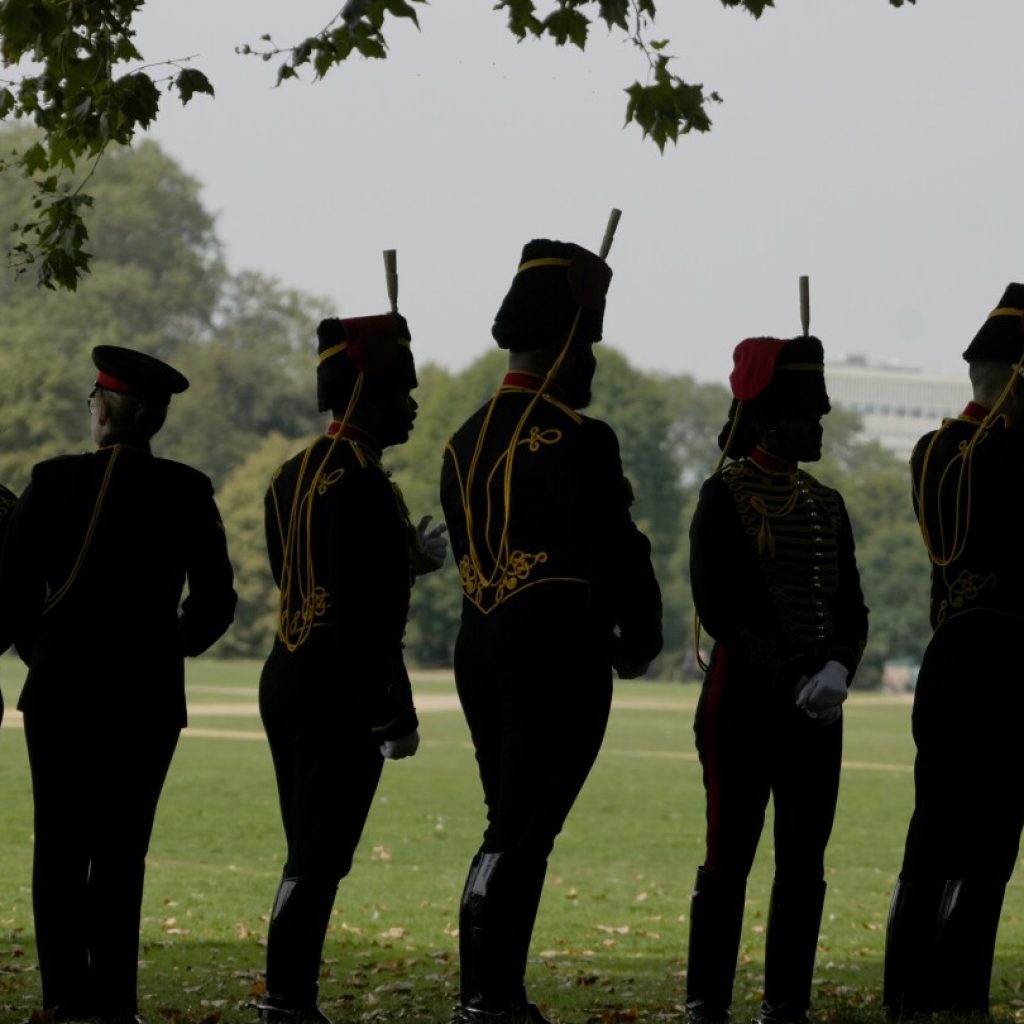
(127, 439)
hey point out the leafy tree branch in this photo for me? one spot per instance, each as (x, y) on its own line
(87, 88)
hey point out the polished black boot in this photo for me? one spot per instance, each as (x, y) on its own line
(716, 922)
(496, 918)
(968, 922)
(794, 919)
(910, 937)
(295, 940)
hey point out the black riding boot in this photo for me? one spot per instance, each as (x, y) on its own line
(496, 919)
(716, 922)
(295, 942)
(968, 922)
(910, 937)
(794, 918)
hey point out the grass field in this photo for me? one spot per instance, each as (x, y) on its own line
(610, 940)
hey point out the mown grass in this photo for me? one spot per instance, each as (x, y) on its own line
(611, 935)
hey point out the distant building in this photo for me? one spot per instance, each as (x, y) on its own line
(897, 404)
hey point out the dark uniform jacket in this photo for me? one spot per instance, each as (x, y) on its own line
(773, 571)
(972, 514)
(355, 605)
(568, 524)
(99, 550)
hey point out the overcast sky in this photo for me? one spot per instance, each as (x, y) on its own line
(878, 150)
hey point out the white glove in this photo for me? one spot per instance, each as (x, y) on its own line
(431, 546)
(406, 746)
(824, 691)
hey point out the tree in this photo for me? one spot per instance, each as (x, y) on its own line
(89, 89)
(158, 276)
(241, 505)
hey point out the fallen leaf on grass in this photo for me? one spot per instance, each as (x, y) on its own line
(392, 933)
(612, 929)
(395, 986)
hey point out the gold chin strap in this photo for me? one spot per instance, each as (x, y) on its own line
(1005, 311)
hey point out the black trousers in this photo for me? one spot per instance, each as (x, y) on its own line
(96, 784)
(754, 745)
(326, 761)
(535, 685)
(968, 800)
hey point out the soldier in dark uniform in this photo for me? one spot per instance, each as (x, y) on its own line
(776, 585)
(8, 499)
(98, 552)
(334, 694)
(964, 834)
(558, 589)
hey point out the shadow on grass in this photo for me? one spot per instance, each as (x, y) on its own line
(187, 981)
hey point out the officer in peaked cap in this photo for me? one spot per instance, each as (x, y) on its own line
(334, 694)
(963, 837)
(98, 552)
(775, 584)
(557, 590)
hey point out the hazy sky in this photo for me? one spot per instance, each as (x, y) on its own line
(878, 150)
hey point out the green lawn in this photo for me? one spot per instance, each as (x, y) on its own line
(611, 935)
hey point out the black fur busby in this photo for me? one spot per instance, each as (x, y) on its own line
(772, 376)
(553, 282)
(1001, 337)
(376, 346)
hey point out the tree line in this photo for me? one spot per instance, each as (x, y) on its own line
(160, 283)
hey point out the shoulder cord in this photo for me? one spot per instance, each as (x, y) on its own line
(61, 591)
(765, 540)
(298, 590)
(965, 457)
(501, 556)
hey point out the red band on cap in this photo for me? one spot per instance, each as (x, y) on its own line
(109, 383)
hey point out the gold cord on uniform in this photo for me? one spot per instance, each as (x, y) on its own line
(503, 559)
(62, 590)
(944, 555)
(302, 600)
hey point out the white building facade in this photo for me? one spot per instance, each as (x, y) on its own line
(896, 404)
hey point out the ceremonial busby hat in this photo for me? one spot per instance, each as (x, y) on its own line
(376, 346)
(134, 373)
(554, 282)
(1001, 337)
(772, 376)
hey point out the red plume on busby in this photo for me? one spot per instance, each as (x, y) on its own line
(771, 376)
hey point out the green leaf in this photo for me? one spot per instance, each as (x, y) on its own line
(615, 13)
(521, 18)
(567, 25)
(402, 9)
(190, 81)
(35, 159)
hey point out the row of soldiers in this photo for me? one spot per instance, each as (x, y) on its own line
(558, 595)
